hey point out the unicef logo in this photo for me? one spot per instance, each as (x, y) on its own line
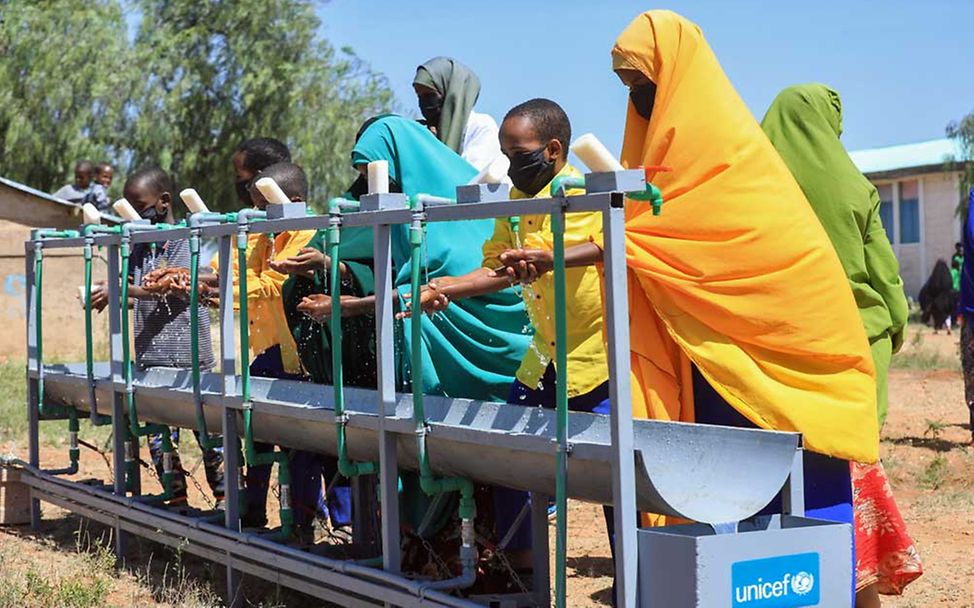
(802, 583)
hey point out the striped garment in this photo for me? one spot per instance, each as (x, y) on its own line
(162, 337)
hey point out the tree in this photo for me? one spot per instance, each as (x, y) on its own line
(219, 71)
(962, 132)
(65, 78)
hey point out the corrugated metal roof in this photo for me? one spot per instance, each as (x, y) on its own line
(905, 156)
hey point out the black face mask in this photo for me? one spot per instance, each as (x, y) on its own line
(643, 97)
(530, 172)
(431, 107)
(243, 191)
(152, 215)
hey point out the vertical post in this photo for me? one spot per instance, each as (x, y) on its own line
(540, 565)
(385, 365)
(623, 460)
(33, 419)
(120, 428)
(561, 410)
(793, 493)
(231, 438)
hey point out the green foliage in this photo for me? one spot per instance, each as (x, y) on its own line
(962, 131)
(196, 79)
(62, 70)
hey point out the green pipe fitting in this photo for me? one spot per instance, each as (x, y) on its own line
(47, 233)
(251, 455)
(339, 204)
(651, 195)
(563, 183)
(345, 466)
(428, 482)
(43, 409)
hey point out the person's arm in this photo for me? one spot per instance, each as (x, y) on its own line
(526, 265)
(306, 263)
(884, 272)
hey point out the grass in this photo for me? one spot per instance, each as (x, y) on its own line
(935, 473)
(918, 356)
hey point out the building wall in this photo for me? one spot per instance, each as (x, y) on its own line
(939, 224)
(63, 316)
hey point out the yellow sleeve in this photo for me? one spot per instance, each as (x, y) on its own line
(499, 242)
(580, 228)
(262, 282)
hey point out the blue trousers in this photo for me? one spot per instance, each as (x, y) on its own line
(306, 492)
(509, 503)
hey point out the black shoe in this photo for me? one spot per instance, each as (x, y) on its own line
(254, 521)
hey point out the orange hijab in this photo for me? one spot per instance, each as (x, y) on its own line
(737, 275)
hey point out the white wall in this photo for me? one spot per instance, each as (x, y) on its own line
(939, 225)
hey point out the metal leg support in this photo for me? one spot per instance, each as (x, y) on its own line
(231, 442)
(120, 430)
(385, 353)
(623, 460)
(33, 419)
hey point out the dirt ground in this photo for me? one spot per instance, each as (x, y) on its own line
(926, 450)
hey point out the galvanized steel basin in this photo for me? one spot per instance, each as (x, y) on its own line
(710, 474)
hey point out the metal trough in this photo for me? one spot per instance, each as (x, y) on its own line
(709, 474)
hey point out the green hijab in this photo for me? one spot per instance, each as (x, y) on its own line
(459, 87)
(804, 123)
(473, 348)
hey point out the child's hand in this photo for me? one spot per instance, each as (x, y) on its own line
(99, 296)
(318, 306)
(431, 300)
(308, 261)
(164, 281)
(525, 265)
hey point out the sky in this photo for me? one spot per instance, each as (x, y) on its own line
(903, 68)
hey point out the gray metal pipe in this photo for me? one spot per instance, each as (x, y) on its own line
(415, 588)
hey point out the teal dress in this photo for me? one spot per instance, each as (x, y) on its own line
(474, 347)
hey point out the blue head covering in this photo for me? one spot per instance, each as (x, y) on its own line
(473, 348)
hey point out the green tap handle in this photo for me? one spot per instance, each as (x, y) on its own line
(651, 195)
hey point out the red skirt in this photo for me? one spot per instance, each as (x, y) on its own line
(885, 553)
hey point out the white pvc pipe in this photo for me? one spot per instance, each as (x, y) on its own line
(271, 191)
(126, 211)
(191, 198)
(493, 173)
(90, 214)
(596, 156)
(378, 177)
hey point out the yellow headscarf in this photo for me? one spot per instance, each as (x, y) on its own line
(737, 275)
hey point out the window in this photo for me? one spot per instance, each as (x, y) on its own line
(909, 211)
(886, 209)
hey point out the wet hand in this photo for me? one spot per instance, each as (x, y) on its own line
(308, 261)
(431, 300)
(164, 281)
(525, 265)
(99, 296)
(318, 306)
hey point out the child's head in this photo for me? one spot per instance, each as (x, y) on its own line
(83, 170)
(535, 137)
(958, 248)
(253, 156)
(149, 190)
(104, 173)
(290, 177)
